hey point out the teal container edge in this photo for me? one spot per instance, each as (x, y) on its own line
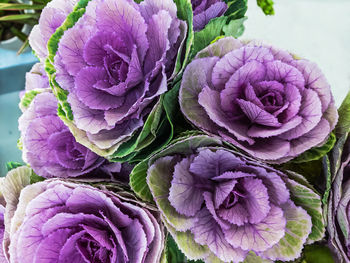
(13, 68)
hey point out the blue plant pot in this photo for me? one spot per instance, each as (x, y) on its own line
(12, 79)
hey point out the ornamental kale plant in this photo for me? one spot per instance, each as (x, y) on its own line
(219, 205)
(109, 62)
(57, 221)
(265, 101)
(48, 145)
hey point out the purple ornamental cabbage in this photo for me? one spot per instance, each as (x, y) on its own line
(221, 207)
(114, 63)
(48, 145)
(339, 203)
(57, 221)
(263, 100)
(205, 10)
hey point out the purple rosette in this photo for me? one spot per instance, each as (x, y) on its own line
(265, 101)
(205, 10)
(47, 143)
(111, 66)
(221, 206)
(58, 221)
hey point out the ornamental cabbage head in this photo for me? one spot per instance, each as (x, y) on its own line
(339, 202)
(57, 221)
(110, 66)
(265, 101)
(47, 143)
(221, 206)
(205, 10)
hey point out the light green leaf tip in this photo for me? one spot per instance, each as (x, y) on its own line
(310, 201)
(297, 230)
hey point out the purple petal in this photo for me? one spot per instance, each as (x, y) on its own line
(184, 194)
(209, 100)
(122, 131)
(266, 132)
(71, 47)
(193, 81)
(208, 232)
(310, 111)
(85, 118)
(284, 73)
(125, 20)
(157, 33)
(235, 59)
(88, 91)
(209, 164)
(38, 133)
(222, 191)
(258, 115)
(315, 80)
(261, 236)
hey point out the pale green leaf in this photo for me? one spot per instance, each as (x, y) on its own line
(297, 230)
(138, 181)
(211, 31)
(316, 153)
(311, 201)
(159, 178)
(185, 242)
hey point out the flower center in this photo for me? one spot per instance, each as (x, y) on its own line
(234, 197)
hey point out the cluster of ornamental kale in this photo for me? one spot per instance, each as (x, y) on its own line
(153, 135)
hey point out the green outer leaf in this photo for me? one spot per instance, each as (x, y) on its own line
(236, 9)
(297, 230)
(138, 182)
(13, 165)
(316, 152)
(253, 258)
(234, 28)
(159, 178)
(187, 245)
(317, 253)
(343, 125)
(184, 12)
(34, 178)
(204, 37)
(174, 254)
(309, 200)
(328, 176)
(146, 136)
(186, 145)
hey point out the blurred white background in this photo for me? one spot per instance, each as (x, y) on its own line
(318, 30)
